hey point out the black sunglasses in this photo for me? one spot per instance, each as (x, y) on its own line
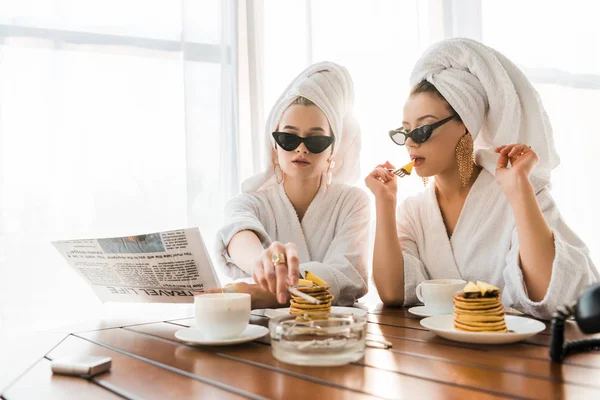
(314, 144)
(418, 135)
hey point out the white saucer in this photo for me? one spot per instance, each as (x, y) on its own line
(443, 325)
(422, 311)
(193, 335)
(276, 312)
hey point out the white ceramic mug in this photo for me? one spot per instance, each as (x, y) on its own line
(436, 294)
(222, 315)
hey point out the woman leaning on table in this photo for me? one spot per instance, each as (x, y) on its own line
(476, 125)
(301, 214)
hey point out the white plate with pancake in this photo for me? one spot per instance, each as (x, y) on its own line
(276, 312)
(520, 328)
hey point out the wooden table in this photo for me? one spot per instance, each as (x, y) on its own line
(149, 363)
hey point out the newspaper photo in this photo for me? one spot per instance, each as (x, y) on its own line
(162, 267)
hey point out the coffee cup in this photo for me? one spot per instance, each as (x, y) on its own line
(221, 315)
(437, 294)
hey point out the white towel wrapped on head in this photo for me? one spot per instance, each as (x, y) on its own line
(330, 87)
(494, 99)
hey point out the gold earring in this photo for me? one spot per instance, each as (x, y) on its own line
(329, 174)
(278, 173)
(464, 158)
(425, 180)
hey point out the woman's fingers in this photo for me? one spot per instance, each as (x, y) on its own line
(506, 149)
(378, 171)
(389, 173)
(381, 174)
(513, 153)
(281, 283)
(386, 168)
(293, 263)
(258, 274)
(512, 149)
(282, 272)
(275, 270)
(269, 271)
(502, 161)
(517, 150)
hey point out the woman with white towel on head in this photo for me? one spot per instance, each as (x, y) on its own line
(476, 125)
(301, 214)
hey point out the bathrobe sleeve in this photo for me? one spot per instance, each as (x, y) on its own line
(344, 266)
(242, 213)
(572, 269)
(409, 233)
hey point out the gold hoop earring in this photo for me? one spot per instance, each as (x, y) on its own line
(464, 158)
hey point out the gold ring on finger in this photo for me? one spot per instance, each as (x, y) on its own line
(278, 258)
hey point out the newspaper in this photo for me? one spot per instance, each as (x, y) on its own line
(162, 267)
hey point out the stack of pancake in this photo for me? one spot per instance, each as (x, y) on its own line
(315, 287)
(478, 309)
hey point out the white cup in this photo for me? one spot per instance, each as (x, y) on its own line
(436, 294)
(222, 315)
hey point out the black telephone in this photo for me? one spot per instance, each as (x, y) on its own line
(587, 315)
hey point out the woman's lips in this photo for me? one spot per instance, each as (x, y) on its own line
(301, 163)
(419, 161)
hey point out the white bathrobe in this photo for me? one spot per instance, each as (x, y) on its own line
(485, 246)
(332, 238)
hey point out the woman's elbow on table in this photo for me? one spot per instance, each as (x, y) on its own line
(392, 299)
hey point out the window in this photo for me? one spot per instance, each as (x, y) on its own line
(116, 119)
(559, 55)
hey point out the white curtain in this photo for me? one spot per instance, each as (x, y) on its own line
(117, 117)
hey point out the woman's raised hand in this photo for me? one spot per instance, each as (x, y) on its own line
(277, 268)
(382, 182)
(522, 161)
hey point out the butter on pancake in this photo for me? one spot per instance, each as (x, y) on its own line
(488, 290)
(317, 281)
(315, 287)
(480, 290)
(478, 309)
(305, 282)
(470, 290)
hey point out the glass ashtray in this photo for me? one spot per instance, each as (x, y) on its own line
(327, 339)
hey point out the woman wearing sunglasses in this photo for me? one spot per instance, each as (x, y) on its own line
(300, 214)
(475, 123)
